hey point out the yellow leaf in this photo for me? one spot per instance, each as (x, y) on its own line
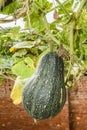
(13, 49)
(16, 94)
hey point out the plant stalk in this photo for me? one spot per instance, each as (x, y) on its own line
(71, 42)
(71, 39)
(51, 36)
(83, 2)
(28, 16)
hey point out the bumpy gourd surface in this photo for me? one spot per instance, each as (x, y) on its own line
(44, 94)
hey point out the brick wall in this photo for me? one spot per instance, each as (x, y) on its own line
(15, 118)
(72, 117)
(78, 105)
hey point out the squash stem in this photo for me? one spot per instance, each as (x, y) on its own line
(49, 34)
(51, 46)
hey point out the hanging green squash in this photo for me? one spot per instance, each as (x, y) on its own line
(44, 95)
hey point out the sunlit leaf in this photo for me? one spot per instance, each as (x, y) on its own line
(29, 62)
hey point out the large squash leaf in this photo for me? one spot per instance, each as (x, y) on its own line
(16, 93)
(24, 68)
(24, 45)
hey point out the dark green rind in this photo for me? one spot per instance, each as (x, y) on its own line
(44, 95)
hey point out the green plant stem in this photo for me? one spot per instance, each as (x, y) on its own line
(50, 35)
(69, 72)
(71, 41)
(28, 16)
(83, 2)
(63, 8)
(47, 25)
(51, 46)
(71, 38)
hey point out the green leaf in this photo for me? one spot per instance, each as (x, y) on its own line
(24, 44)
(24, 68)
(20, 53)
(14, 33)
(37, 22)
(6, 62)
(44, 5)
(9, 9)
(38, 9)
(29, 62)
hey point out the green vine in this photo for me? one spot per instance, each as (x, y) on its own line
(28, 15)
(71, 38)
(50, 35)
(83, 2)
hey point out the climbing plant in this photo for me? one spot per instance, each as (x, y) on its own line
(21, 48)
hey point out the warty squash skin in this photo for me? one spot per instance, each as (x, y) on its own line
(44, 95)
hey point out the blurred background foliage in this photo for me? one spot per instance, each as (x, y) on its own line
(20, 49)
